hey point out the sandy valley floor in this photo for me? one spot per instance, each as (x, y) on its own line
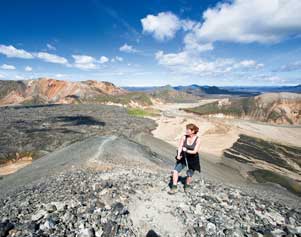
(218, 134)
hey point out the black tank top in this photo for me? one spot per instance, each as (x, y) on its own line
(192, 146)
(192, 159)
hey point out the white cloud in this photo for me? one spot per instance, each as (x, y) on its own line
(2, 76)
(290, 67)
(166, 24)
(274, 79)
(128, 49)
(52, 58)
(120, 59)
(267, 21)
(172, 59)
(83, 59)
(248, 64)
(189, 24)
(116, 59)
(8, 67)
(59, 75)
(242, 21)
(103, 59)
(28, 69)
(163, 26)
(18, 77)
(271, 79)
(186, 63)
(11, 52)
(51, 47)
(84, 62)
(193, 43)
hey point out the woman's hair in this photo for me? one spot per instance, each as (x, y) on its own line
(192, 127)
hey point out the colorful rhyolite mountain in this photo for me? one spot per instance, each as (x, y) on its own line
(47, 90)
(279, 108)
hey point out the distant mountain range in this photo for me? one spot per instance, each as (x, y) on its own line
(226, 90)
(261, 89)
(195, 90)
(48, 90)
(211, 90)
(191, 89)
(52, 91)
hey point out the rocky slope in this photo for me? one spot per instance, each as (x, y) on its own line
(47, 90)
(33, 131)
(278, 108)
(114, 186)
(266, 161)
(105, 175)
(135, 203)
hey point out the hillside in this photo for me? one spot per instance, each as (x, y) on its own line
(114, 186)
(129, 99)
(101, 173)
(47, 90)
(167, 94)
(278, 108)
(51, 91)
(33, 131)
(266, 161)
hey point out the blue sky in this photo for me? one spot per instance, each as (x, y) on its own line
(150, 43)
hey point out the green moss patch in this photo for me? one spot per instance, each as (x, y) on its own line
(142, 112)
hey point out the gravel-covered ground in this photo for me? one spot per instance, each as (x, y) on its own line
(133, 202)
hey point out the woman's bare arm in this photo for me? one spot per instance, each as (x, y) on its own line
(180, 147)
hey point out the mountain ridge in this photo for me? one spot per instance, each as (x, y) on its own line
(278, 108)
(48, 90)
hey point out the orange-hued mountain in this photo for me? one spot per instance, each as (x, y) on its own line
(47, 90)
(277, 108)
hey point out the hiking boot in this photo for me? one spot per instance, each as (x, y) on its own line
(187, 187)
(173, 189)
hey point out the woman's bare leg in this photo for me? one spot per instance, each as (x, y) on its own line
(188, 180)
(175, 177)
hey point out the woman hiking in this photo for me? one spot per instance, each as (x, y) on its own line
(187, 155)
